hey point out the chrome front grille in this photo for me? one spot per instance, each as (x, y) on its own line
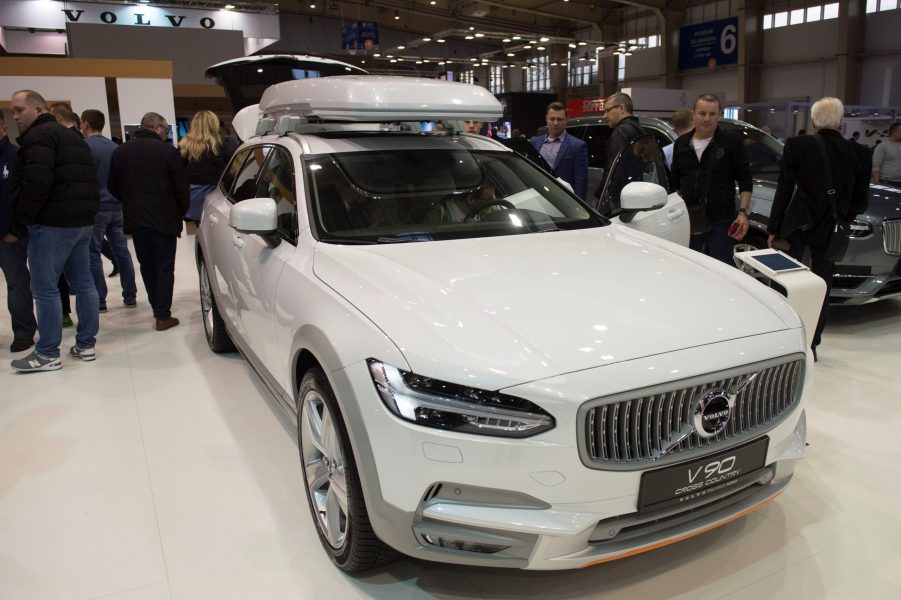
(891, 237)
(633, 430)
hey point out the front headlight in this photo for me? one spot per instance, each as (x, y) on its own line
(432, 403)
(860, 229)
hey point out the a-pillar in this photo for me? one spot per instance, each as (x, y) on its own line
(851, 32)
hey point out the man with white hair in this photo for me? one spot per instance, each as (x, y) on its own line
(804, 216)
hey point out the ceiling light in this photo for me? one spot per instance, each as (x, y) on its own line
(312, 6)
(480, 35)
(507, 40)
(583, 43)
(472, 28)
(227, 6)
(517, 37)
(425, 60)
(426, 39)
(396, 16)
(503, 66)
(544, 39)
(582, 58)
(511, 54)
(440, 41)
(628, 54)
(259, 70)
(473, 59)
(554, 64)
(593, 59)
(394, 60)
(376, 55)
(418, 62)
(440, 62)
(390, 56)
(540, 48)
(401, 47)
(399, 59)
(433, 2)
(531, 42)
(525, 67)
(572, 45)
(600, 48)
(470, 37)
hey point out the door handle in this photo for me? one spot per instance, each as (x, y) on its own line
(214, 219)
(237, 241)
(675, 215)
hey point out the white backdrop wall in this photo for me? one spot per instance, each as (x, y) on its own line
(140, 96)
(82, 92)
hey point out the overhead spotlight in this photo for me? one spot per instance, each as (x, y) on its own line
(259, 70)
(394, 60)
(433, 2)
(572, 45)
(507, 40)
(503, 66)
(401, 47)
(593, 59)
(426, 39)
(511, 54)
(583, 43)
(473, 59)
(227, 6)
(399, 59)
(517, 37)
(425, 60)
(553, 64)
(396, 16)
(470, 37)
(440, 40)
(418, 62)
(472, 28)
(544, 39)
(480, 35)
(312, 6)
(531, 42)
(376, 55)
(583, 58)
(633, 47)
(540, 48)
(441, 62)
(627, 54)
(600, 48)
(390, 56)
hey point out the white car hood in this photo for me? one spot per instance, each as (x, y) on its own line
(498, 311)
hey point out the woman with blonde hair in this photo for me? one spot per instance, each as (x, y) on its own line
(204, 157)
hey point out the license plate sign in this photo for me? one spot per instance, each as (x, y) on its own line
(696, 480)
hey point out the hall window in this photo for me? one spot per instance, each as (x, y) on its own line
(466, 76)
(780, 19)
(830, 11)
(796, 17)
(767, 21)
(814, 13)
(496, 79)
(620, 67)
(538, 74)
(888, 4)
(582, 70)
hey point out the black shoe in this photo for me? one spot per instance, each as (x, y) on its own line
(103, 307)
(814, 350)
(114, 272)
(20, 344)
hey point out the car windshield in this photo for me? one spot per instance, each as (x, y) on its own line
(764, 151)
(416, 195)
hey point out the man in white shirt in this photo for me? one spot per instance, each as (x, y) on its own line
(887, 158)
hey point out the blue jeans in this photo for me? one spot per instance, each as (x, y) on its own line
(716, 242)
(14, 262)
(52, 252)
(108, 222)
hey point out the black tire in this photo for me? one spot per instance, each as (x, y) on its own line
(356, 547)
(216, 334)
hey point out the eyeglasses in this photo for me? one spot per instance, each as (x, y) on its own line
(609, 108)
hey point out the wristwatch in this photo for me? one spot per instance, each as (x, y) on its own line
(743, 210)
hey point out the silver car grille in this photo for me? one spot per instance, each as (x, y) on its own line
(627, 433)
(891, 237)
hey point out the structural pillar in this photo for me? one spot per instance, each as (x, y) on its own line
(750, 50)
(670, 21)
(851, 32)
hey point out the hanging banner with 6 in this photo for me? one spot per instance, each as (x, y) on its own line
(710, 44)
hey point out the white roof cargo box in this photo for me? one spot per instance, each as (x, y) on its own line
(370, 98)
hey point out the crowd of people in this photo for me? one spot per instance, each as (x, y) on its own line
(69, 195)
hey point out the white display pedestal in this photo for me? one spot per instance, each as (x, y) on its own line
(804, 290)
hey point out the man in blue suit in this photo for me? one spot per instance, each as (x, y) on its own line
(566, 154)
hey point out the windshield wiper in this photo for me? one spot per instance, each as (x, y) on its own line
(413, 236)
(341, 240)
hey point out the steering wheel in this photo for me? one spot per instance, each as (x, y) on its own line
(485, 204)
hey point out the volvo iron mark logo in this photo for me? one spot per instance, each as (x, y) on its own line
(712, 412)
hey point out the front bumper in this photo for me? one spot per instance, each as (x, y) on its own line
(532, 503)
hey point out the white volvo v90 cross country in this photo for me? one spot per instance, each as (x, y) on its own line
(482, 369)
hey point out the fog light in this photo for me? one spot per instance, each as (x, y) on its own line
(465, 546)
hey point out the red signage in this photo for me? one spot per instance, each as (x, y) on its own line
(584, 106)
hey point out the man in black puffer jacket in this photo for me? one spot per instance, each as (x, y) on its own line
(56, 195)
(147, 176)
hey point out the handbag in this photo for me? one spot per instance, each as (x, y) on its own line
(841, 228)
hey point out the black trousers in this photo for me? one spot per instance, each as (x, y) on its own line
(821, 267)
(156, 255)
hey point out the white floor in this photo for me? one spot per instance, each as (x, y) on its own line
(163, 471)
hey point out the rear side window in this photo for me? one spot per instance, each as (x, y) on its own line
(234, 167)
(246, 181)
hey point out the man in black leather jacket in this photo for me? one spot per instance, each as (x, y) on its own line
(146, 174)
(625, 128)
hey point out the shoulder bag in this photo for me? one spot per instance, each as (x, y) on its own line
(841, 229)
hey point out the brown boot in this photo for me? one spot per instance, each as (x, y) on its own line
(164, 324)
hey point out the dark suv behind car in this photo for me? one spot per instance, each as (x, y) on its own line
(872, 267)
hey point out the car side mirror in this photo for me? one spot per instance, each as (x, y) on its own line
(257, 216)
(638, 196)
(641, 195)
